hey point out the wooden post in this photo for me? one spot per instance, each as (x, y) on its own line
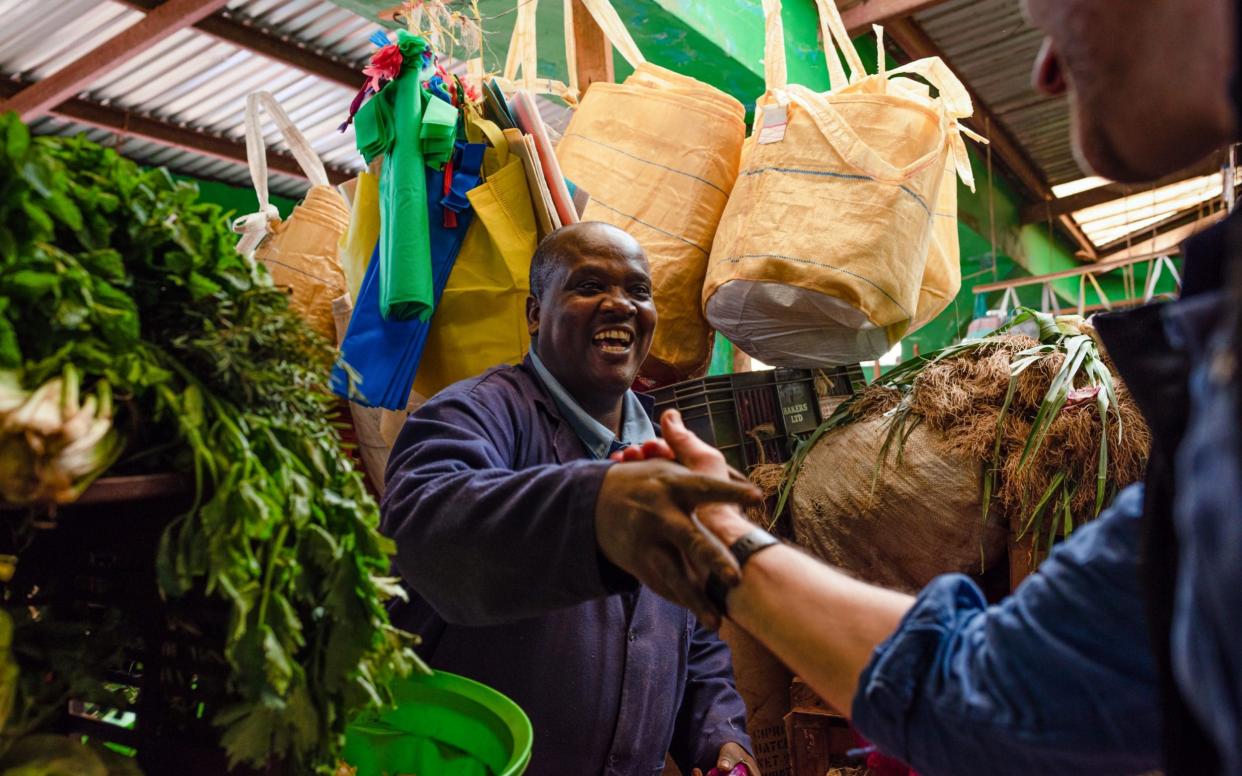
(594, 55)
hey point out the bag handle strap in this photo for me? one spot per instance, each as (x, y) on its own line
(832, 28)
(605, 15)
(523, 51)
(775, 74)
(254, 226)
(523, 56)
(954, 97)
(842, 137)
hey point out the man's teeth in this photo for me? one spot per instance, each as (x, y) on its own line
(613, 340)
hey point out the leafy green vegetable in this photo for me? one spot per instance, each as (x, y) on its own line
(123, 275)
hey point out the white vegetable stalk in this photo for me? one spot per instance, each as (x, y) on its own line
(53, 443)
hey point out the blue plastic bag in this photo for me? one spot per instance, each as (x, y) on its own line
(380, 357)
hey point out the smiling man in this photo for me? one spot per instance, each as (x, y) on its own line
(513, 529)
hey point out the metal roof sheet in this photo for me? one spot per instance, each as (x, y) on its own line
(992, 47)
(196, 80)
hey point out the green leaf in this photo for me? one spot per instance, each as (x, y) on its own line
(40, 220)
(16, 139)
(31, 284)
(202, 286)
(63, 209)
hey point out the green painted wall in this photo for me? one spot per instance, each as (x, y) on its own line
(240, 200)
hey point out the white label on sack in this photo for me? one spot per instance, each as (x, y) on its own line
(775, 117)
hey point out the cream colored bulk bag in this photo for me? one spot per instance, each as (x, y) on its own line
(658, 154)
(942, 276)
(821, 253)
(303, 252)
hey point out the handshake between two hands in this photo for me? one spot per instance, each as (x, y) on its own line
(668, 513)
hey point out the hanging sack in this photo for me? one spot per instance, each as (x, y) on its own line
(658, 155)
(379, 357)
(820, 255)
(942, 276)
(480, 320)
(301, 253)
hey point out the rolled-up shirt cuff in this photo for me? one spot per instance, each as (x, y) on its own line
(892, 682)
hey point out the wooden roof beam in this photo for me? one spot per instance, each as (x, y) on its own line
(858, 20)
(918, 44)
(165, 133)
(169, 17)
(224, 25)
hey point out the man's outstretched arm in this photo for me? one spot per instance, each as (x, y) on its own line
(1059, 678)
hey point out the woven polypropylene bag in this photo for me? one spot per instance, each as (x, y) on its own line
(302, 253)
(820, 255)
(659, 155)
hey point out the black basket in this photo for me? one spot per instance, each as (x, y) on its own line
(94, 562)
(759, 417)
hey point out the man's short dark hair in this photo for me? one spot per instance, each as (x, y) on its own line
(548, 254)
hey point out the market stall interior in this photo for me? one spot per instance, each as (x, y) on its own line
(244, 239)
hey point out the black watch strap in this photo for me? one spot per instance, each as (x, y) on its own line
(745, 547)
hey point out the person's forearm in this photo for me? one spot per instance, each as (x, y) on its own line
(823, 624)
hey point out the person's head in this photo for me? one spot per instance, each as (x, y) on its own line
(1149, 79)
(590, 312)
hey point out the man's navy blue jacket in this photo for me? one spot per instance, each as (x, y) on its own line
(491, 500)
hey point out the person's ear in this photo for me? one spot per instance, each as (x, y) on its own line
(532, 315)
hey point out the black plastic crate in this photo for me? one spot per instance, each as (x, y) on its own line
(758, 417)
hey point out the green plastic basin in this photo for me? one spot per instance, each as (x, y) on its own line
(442, 725)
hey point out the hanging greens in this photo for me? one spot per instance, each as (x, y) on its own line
(118, 285)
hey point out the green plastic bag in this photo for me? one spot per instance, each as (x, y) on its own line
(412, 129)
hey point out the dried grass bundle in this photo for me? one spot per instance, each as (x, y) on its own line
(1053, 426)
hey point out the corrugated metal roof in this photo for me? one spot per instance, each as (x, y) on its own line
(195, 80)
(992, 47)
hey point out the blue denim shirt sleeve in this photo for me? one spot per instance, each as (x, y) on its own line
(1058, 678)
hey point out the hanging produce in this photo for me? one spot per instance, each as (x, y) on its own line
(936, 465)
(115, 279)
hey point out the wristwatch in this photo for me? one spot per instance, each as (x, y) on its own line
(752, 542)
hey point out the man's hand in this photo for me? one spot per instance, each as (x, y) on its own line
(645, 524)
(680, 444)
(731, 757)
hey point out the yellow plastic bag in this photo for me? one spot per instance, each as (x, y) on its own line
(358, 243)
(821, 253)
(302, 253)
(481, 319)
(659, 155)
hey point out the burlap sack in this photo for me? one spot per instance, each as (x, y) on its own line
(763, 682)
(302, 254)
(923, 518)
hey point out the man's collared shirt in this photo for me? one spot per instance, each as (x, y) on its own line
(599, 441)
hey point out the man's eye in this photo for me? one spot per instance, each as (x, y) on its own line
(590, 287)
(642, 292)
